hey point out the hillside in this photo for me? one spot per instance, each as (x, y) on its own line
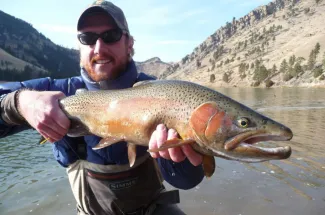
(26, 53)
(281, 43)
(278, 44)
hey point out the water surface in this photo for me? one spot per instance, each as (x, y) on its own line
(31, 182)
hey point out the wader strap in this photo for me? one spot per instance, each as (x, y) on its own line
(164, 198)
(168, 197)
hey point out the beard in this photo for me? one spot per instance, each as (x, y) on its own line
(105, 71)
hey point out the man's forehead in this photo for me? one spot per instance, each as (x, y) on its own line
(97, 19)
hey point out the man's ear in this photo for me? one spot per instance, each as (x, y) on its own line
(130, 45)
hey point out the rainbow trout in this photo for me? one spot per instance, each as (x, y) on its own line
(214, 124)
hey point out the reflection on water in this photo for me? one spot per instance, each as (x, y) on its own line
(33, 183)
(292, 186)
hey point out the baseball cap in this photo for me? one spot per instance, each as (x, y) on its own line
(108, 7)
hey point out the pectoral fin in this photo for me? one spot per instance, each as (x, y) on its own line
(77, 129)
(107, 142)
(172, 144)
(132, 153)
(209, 165)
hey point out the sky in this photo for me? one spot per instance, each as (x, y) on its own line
(168, 29)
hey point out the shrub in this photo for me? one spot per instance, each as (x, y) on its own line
(212, 78)
(256, 84)
(287, 77)
(269, 83)
(225, 77)
(198, 63)
(317, 72)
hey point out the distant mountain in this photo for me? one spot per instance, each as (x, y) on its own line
(26, 53)
(281, 44)
(153, 66)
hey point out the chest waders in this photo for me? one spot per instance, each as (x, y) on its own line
(119, 189)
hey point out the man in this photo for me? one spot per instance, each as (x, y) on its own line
(102, 180)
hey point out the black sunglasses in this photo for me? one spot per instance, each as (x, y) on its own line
(110, 36)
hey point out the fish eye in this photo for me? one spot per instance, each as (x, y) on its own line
(243, 122)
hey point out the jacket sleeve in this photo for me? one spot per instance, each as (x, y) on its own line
(14, 123)
(181, 175)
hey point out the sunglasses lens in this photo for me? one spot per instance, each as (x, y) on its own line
(88, 38)
(112, 36)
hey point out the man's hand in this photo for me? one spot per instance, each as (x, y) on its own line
(177, 154)
(41, 110)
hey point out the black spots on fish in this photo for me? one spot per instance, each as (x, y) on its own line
(264, 121)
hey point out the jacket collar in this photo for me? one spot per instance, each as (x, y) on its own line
(125, 80)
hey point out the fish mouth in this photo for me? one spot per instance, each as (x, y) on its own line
(244, 147)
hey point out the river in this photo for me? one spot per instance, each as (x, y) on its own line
(31, 182)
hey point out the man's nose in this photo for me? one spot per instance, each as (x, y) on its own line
(99, 46)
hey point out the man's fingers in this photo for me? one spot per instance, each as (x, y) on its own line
(48, 133)
(54, 126)
(61, 119)
(176, 154)
(153, 145)
(194, 157)
(161, 139)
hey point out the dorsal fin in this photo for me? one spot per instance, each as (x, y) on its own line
(80, 91)
(142, 83)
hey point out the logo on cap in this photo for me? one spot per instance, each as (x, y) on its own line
(99, 2)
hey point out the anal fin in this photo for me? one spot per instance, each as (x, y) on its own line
(107, 142)
(132, 153)
(209, 165)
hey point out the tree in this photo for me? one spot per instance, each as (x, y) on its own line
(292, 60)
(312, 59)
(212, 78)
(283, 66)
(317, 72)
(296, 70)
(198, 63)
(317, 48)
(274, 69)
(225, 77)
(184, 60)
(323, 61)
(260, 73)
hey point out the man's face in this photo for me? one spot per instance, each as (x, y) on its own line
(104, 61)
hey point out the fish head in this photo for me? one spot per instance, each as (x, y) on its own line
(233, 132)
